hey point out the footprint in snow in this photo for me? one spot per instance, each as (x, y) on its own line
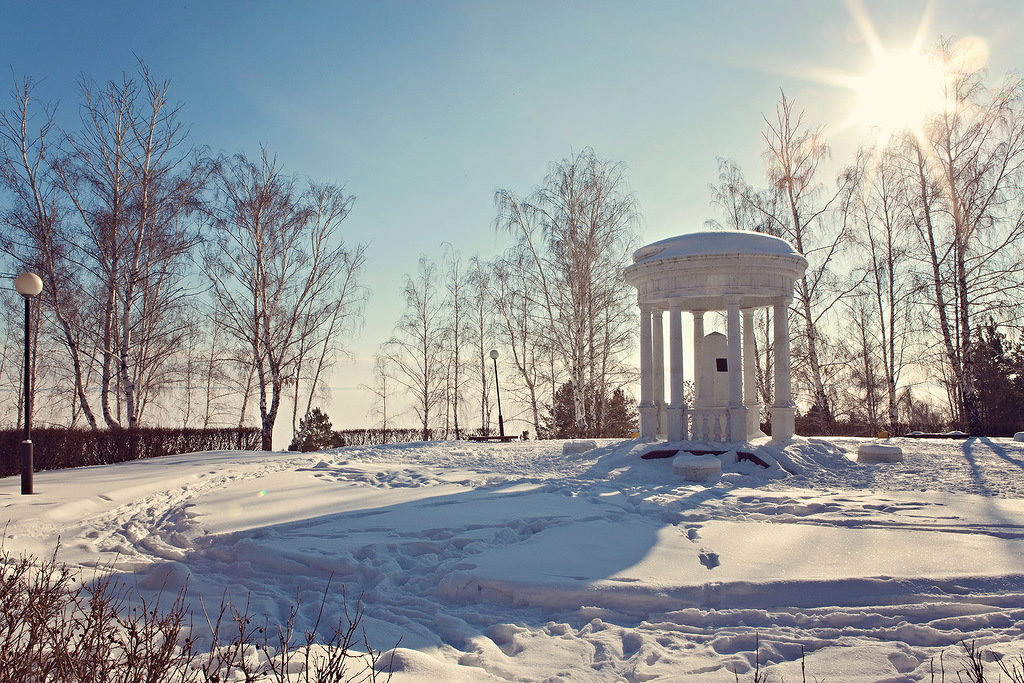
(708, 559)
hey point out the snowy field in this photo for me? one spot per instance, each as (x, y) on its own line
(514, 562)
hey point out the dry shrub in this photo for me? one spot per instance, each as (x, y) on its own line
(55, 626)
(974, 661)
(972, 670)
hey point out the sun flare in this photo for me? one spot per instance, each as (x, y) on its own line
(899, 91)
(902, 85)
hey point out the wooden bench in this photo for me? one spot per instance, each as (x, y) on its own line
(503, 439)
(933, 435)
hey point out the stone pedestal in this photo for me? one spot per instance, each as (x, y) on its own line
(737, 423)
(648, 421)
(754, 422)
(783, 423)
(676, 424)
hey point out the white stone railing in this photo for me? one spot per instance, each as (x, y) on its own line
(707, 424)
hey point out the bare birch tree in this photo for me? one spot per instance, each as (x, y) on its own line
(796, 207)
(863, 352)
(282, 275)
(10, 350)
(481, 332)
(878, 209)
(134, 183)
(967, 170)
(578, 229)
(518, 313)
(380, 389)
(36, 228)
(416, 352)
(321, 346)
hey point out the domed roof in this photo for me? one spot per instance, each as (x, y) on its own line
(717, 243)
(704, 270)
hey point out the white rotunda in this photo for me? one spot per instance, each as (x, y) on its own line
(737, 272)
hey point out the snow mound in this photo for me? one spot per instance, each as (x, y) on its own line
(879, 452)
(696, 467)
(572, 447)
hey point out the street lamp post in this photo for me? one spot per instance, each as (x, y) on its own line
(501, 422)
(28, 285)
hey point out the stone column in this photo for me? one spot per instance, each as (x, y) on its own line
(783, 409)
(737, 411)
(750, 377)
(648, 413)
(698, 351)
(677, 408)
(659, 370)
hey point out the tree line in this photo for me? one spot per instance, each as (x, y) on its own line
(198, 289)
(907, 313)
(179, 287)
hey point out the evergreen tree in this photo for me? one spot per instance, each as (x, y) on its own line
(316, 433)
(621, 416)
(618, 416)
(998, 377)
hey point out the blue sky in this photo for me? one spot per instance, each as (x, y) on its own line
(422, 109)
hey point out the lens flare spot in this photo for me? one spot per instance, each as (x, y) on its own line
(970, 54)
(261, 493)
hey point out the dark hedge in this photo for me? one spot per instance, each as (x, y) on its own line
(57, 449)
(379, 437)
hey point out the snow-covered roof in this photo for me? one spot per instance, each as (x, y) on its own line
(715, 243)
(702, 271)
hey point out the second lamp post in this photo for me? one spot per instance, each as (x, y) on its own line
(501, 422)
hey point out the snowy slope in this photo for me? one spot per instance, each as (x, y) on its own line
(516, 562)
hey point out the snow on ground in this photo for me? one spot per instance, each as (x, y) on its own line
(518, 562)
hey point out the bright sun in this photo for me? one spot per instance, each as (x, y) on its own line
(899, 91)
(902, 87)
